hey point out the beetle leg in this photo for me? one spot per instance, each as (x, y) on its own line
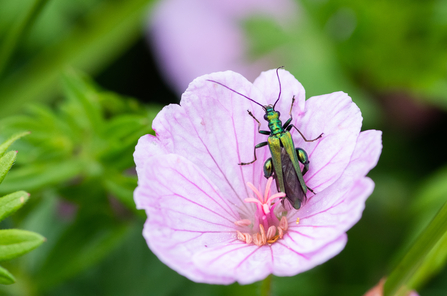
(303, 158)
(286, 124)
(291, 106)
(259, 124)
(268, 168)
(290, 127)
(254, 152)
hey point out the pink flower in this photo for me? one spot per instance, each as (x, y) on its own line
(194, 37)
(378, 290)
(205, 218)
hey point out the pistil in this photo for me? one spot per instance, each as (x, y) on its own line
(264, 218)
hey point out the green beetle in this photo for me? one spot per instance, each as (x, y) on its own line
(283, 165)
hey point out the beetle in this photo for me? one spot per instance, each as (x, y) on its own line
(284, 163)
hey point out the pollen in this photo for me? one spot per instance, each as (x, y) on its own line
(274, 239)
(297, 220)
(264, 227)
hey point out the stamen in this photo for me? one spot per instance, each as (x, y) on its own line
(240, 236)
(257, 239)
(280, 232)
(243, 222)
(283, 223)
(263, 237)
(248, 238)
(297, 220)
(271, 232)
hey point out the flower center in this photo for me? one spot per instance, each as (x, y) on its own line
(266, 227)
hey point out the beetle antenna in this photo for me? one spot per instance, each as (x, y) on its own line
(236, 92)
(279, 81)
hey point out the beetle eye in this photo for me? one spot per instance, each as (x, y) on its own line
(266, 117)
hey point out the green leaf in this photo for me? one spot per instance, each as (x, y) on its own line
(16, 242)
(6, 163)
(52, 136)
(122, 133)
(41, 174)
(121, 127)
(82, 94)
(122, 187)
(433, 263)
(5, 145)
(5, 277)
(430, 197)
(401, 275)
(12, 202)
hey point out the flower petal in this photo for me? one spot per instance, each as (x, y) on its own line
(337, 208)
(244, 263)
(364, 158)
(249, 263)
(193, 189)
(340, 120)
(328, 218)
(289, 262)
(366, 153)
(268, 84)
(216, 141)
(147, 147)
(184, 217)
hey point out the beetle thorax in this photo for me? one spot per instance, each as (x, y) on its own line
(272, 117)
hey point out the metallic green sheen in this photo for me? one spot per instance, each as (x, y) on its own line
(277, 137)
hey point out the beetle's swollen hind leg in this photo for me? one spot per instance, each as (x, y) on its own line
(254, 152)
(268, 168)
(303, 158)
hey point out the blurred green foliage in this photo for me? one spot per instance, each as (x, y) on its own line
(389, 45)
(84, 34)
(81, 151)
(90, 137)
(77, 161)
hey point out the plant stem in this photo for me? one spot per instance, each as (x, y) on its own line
(266, 286)
(415, 256)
